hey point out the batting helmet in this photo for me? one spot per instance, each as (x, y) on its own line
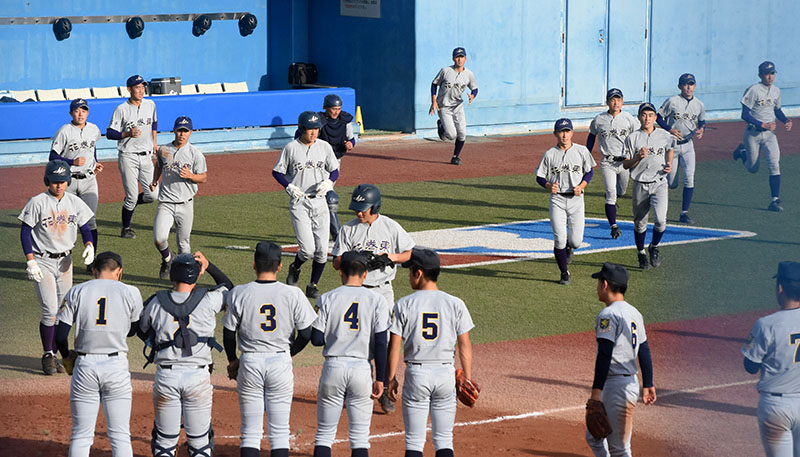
(309, 120)
(57, 171)
(184, 268)
(247, 24)
(332, 100)
(134, 26)
(366, 196)
(62, 28)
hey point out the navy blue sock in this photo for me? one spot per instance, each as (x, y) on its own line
(279, 453)
(561, 259)
(94, 240)
(127, 215)
(657, 237)
(298, 263)
(611, 213)
(249, 452)
(360, 452)
(639, 237)
(164, 253)
(322, 451)
(444, 453)
(413, 453)
(458, 148)
(775, 186)
(687, 198)
(316, 272)
(48, 336)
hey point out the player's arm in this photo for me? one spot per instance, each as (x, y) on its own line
(590, 141)
(750, 366)
(217, 274)
(26, 238)
(86, 234)
(664, 125)
(778, 114)
(300, 341)
(434, 105)
(197, 178)
(400, 257)
(134, 328)
(379, 345)
(465, 354)
(602, 363)
(747, 116)
(584, 182)
(62, 338)
(392, 363)
(317, 337)
(646, 364)
(155, 134)
(668, 160)
(157, 170)
(229, 343)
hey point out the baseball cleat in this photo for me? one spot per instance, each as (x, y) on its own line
(565, 278)
(49, 364)
(569, 254)
(440, 129)
(163, 272)
(686, 219)
(312, 292)
(293, 276)
(128, 233)
(59, 366)
(655, 259)
(615, 231)
(738, 153)
(455, 160)
(775, 205)
(386, 405)
(644, 264)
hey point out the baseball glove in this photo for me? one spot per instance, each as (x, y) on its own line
(378, 262)
(597, 420)
(69, 362)
(466, 389)
(233, 369)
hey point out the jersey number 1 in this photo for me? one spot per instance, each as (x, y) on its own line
(101, 312)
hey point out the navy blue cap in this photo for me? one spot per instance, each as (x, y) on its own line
(78, 103)
(562, 124)
(354, 256)
(267, 251)
(135, 80)
(108, 255)
(766, 67)
(613, 273)
(424, 259)
(686, 78)
(788, 271)
(613, 93)
(647, 107)
(459, 51)
(183, 123)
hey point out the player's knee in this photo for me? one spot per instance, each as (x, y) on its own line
(49, 317)
(449, 135)
(163, 445)
(201, 445)
(659, 226)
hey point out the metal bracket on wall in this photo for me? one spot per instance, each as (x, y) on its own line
(47, 20)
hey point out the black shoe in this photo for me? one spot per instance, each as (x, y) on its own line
(565, 278)
(738, 153)
(655, 259)
(312, 292)
(163, 272)
(128, 233)
(569, 254)
(386, 405)
(294, 275)
(775, 205)
(686, 219)
(615, 231)
(440, 129)
(455, 160)
(49, 364)
(644, 264)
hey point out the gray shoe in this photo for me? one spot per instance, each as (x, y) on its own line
(565, 278)
(455, 160)
(163, 272)
(49, 364)
(655, 258)
(312, 291)
(386, 405)
(128, 233)
(775, 205)
(294, 275)
(615, 231)
(644, 264)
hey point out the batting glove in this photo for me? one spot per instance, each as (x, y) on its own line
(294, 191)
(88, 254)
(324, 187)
(34, 272)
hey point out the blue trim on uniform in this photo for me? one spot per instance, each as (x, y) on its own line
(219, 276)
(300, 342)
(229, 342)
(588, 176)
(474, 92)
(26, 238)
(86, 234)
(317, 337)
(662, 122)
(281, 178)
(112, 134)
(747, 117)
(605, 348)
(646, 363)
(750, 366)
(54, 156)
(701, 124)
(590, 141)
(334, 175)
(154, 126)
(379, 349)
(433, 89)
(781, 117)
(541, 181)
(62, 338)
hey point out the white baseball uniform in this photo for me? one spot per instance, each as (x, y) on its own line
(762, 101)
(611, 132)
(684, 115)
(650, 189)
(134, 160)
(450, 100)
(72, 142)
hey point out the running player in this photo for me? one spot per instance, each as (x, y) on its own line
(450, 83)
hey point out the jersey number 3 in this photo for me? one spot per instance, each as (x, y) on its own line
(269, 324)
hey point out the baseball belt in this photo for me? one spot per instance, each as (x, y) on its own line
(615, 158)
(53, 255)
(113, 354)
(684, 141)
(375, 287)
(567, 194)
(82, 175)
(140, 153)
(756, 128)
(169, 367)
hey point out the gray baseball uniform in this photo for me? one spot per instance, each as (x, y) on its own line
(383, 236)
(762, 101)
(135, 162)
(429, 322)
(650, 189)
(265, 315)
(101, 312)
(305, 167)
(622, 324)
(450, 100)
(684, 115)
(175, 199)
(348, 317)
(72, 142)
(611, 132)
(566, 168)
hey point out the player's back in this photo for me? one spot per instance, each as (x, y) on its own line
(778, 337)
(349, 316)
(623, 324)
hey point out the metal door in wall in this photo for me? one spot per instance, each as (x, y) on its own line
(585, 51)
(627, 48)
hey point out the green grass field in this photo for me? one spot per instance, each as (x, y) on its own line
(507, 301)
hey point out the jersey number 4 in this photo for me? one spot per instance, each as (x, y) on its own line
(269, 324)
(351, 316)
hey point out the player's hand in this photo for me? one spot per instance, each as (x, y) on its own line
(79, 161)
(554, 188)
(69, 361)
(578, 190)
(677, 134)
(434, 108)
(649, 395)
(667, 168)
(393, 388)
(789, 125)
(377, 390)
(348, 145)
(324, 186)
(153, 185)
(643, 152)
(471, 97)
(33, 270)
(88, 254)
(769, 126)
(294, 191)
(698, 134)
(186, 173)
(98, 168)
(135, 132)
(203, 261)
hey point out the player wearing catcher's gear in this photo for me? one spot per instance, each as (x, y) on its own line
(565, 171)
(684, 116)
(621, 339)
(430, 322)
(49, 228)
(75, 143)
(264, 314)
(351, 324)
(337, 130)
(104, 311)
(307, 169)
(612, 127)
(648, 154)
(181, 167)
(450, 83)
(178, 326)
(771, 349)
(761, 106)
(134, 125)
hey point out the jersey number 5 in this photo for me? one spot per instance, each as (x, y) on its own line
(269, 324)
(351, 316)
(430, 326)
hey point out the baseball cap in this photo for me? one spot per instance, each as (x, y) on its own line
(267, 251)
(135, 80)
(613, 273)
(354, 256)
(78, 103)
(613, 93)
(766, 67)
(183, 123)
(562, 124)
(423, 258)
(647, 107)
(686, 78)
(788, 272)
(459, 51)
(108, 255)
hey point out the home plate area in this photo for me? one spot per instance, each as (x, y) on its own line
(525, 240)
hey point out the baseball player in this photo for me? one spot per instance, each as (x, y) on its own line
(307, 169)
(450, 83)
(49, 227)
(565, 171)
(684, 116)
(612, 127)
(648, 154)
(771, 349)
(134, 125)
(621, 339)
(104, 311)
(181, 167)
(430, 323)
(351, 325)
(761, 106)
(264, 314)
(178, 326)
(380, 235)
(75, 143)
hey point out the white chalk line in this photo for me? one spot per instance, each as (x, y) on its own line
(546, 412)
